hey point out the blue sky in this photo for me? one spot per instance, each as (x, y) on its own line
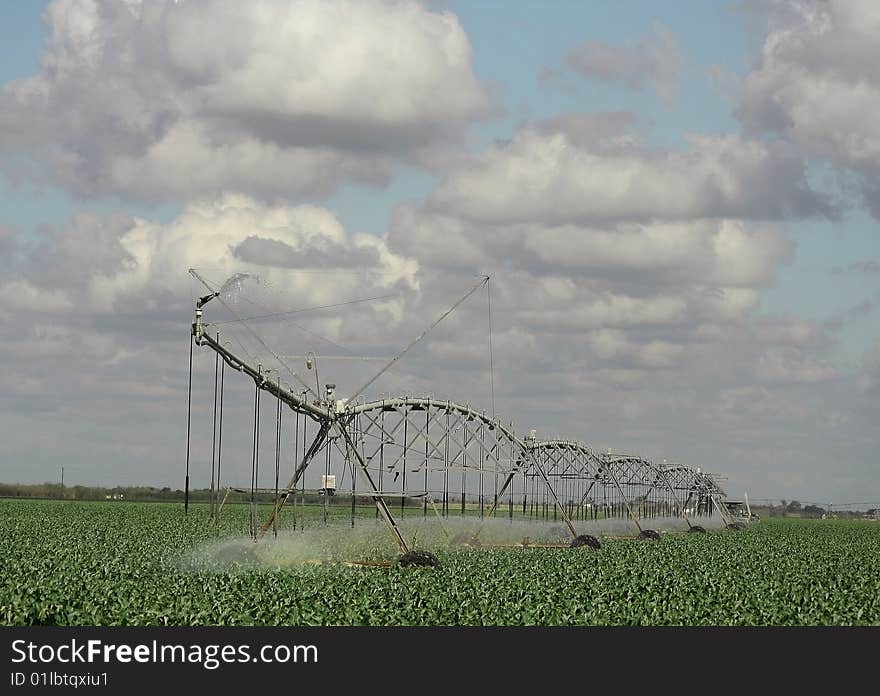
(712, 35)
(510, 56)
(449, 203)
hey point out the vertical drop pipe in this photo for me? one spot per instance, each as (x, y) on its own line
(406, 413)
(536, 501)
(532, 499)
(220, 443)
(542, 491)
(495, 449)
(427, 424)
(189, 392)
(482, 460)
(564, 485)
(511, 494)
(326, 479)
(295, 461)
(214, 431)
(277, 458)
(302, 517)
(544, 488)
(569, 502)
(255, 465)
(605, 514)
(464, 470)
(381, 452)
(350, 462)
(446, 436)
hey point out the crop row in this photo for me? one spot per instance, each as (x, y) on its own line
(120, 564)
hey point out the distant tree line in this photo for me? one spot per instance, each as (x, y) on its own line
(59, 492)
(166, 494)
(56, 491)
(795, 509)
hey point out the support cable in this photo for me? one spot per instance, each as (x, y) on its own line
(491, 352)
(305, 309)
(253, 333)
(424, 333)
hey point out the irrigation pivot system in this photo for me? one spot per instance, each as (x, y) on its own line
(438, 457)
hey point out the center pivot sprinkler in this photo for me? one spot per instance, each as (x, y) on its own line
(400, 453)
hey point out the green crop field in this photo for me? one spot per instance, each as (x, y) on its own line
(121, 563)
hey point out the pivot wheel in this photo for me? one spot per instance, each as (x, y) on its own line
(585, 540)
(419, 558)
(649, 535)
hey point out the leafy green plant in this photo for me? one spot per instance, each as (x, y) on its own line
(69, 563)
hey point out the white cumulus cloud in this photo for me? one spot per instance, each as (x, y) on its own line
(554, 174)
(816, 84)
(271, 98)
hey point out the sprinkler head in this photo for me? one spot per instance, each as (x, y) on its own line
(205, 299)
(464, 539)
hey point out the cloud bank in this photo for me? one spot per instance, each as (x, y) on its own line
(274, 99)
(815, 84)
(627, 280)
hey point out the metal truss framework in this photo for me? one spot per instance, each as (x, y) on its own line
(456, 460)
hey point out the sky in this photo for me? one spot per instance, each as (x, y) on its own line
(678, 205)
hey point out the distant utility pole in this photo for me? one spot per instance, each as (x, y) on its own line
(62, 477)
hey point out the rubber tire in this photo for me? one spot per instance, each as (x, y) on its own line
(419, 558)
(585, 540)
(649, 535)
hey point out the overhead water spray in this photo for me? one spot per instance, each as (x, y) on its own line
(417, 450)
